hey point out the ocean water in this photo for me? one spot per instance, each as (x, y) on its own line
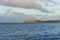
(22, 31)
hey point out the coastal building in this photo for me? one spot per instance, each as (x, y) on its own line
(32, 21)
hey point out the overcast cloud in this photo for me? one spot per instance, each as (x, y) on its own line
(20, 10)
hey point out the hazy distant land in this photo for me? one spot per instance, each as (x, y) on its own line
(40, 21)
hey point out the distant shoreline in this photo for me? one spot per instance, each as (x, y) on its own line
(36, 21)
(39, 21)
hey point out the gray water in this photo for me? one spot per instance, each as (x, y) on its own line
(22, 31)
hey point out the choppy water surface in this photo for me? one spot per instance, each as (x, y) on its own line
(21, 31)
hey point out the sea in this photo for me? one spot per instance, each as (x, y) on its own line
(23, 31)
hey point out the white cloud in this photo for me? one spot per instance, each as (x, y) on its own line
(42, 5)
(18, 14)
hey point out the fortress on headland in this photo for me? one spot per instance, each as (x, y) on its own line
(32, 21)
(40, 21)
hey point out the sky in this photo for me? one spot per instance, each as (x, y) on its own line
(16, 11)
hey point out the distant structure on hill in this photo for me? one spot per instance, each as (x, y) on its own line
(32, 21)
